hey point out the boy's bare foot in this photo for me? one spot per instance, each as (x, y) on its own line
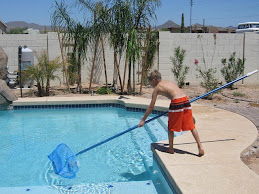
(171, 150)
(201, 152)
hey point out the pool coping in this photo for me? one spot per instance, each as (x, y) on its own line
(222, 134)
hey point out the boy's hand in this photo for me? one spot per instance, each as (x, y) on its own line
(141, 123)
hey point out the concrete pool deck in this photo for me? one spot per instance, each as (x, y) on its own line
(224, 135)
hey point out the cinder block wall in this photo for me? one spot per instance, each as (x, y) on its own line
(11, 42)
(225, 45)
(195, 48)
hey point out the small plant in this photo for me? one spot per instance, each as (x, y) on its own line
(238, 94)
(209, 80)
(43, 72)
(179, 70)
(234, 68)
(104, 90)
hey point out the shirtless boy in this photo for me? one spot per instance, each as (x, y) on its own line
(180, 112)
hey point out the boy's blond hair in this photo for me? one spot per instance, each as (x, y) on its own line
(154, 75)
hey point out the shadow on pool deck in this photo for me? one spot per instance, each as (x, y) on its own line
(163, 147)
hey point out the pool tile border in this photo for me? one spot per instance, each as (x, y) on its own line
(99, 105)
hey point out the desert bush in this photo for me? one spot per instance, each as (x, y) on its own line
(209, 80)
(232, 69)
(179, 70)
(103, 90)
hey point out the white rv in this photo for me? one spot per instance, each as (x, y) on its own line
(248, 27)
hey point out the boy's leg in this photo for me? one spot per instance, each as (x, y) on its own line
(197, 139)
(171, 141)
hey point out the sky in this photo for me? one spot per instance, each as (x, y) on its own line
(221, 13)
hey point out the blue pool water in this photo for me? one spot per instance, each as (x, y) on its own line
(27, 137)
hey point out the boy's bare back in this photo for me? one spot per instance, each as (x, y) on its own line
(169, 90)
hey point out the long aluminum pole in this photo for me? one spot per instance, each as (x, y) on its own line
(130, 129)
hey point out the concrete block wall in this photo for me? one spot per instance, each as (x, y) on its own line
(11, 42)
(195, 48)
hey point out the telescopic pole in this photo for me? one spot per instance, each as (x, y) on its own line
(192, 100)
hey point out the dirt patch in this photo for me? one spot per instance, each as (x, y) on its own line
(243, 100)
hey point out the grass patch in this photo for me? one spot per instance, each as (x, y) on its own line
(238, 94)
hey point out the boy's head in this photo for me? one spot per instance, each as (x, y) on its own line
(154, 77)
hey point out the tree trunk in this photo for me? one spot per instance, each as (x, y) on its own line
(47, 87)
(92, 71)
(39, 89)
(115, 74)
(79, 81)
(63, 60)
(144, 64)
(104, 63)
(129, 80)
(134, 92)
(118, 69)
(124, 76)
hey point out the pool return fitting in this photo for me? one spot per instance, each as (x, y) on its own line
(64, 160)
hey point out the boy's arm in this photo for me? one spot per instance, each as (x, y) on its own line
(149, 109)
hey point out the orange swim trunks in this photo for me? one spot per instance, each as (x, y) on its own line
(180, 115)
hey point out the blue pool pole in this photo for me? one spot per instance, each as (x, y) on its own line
(192, 100)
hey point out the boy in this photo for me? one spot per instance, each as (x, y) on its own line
(180, 112)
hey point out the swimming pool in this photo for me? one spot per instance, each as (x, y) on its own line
(28, 136)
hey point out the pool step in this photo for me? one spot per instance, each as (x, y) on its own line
(140, 187)
(29, 190)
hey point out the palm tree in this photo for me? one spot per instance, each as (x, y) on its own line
(43, 72)
(36, 73)
(100, 14)
(132, 55)
(142, 13)
(116, 17)
(74, 32)
(120, 25)
(50, 68)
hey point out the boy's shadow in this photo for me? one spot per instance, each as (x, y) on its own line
(165, 148)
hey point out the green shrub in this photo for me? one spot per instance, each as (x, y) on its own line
(207, 75)
(209, 80)
(231, 70)
(179, 70)
(103, 90)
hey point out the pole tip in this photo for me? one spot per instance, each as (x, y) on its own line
(251, 73)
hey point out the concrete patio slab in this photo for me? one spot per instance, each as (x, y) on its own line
(224, 136)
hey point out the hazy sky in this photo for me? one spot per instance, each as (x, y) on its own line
(215, 12)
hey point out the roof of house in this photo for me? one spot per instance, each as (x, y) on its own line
(3, 23)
